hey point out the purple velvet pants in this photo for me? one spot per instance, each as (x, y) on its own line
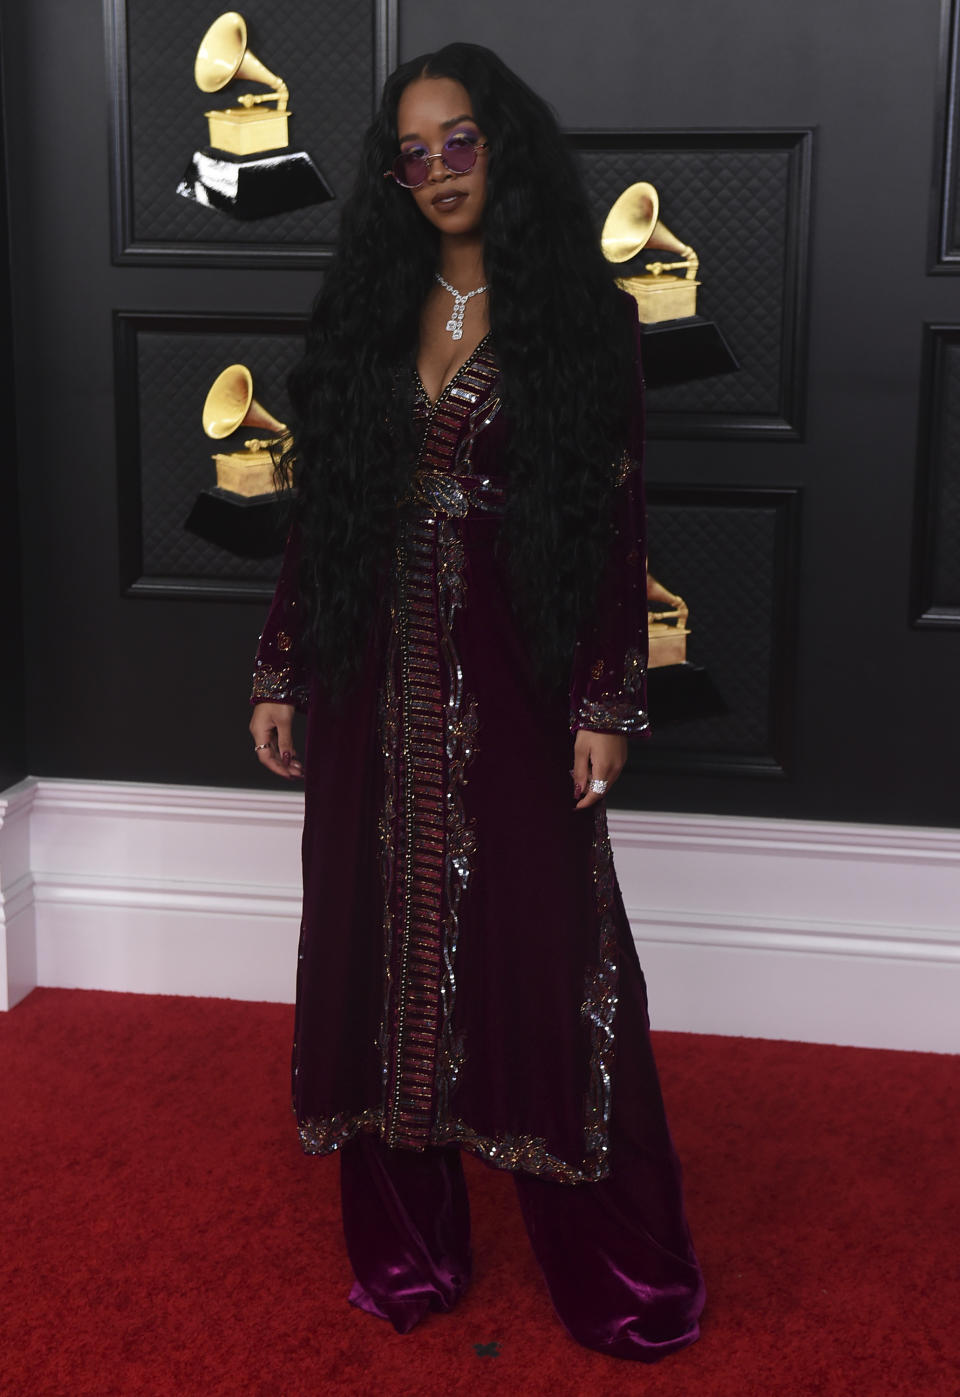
(616, 1255)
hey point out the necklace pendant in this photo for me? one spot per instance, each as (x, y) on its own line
(454, 325)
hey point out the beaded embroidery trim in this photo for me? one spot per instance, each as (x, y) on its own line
(462, 725)
(389, 716)
(435, 741)
(612, 715)
(623, 467)
(325, 1136)
(419, 878)
(621, 712)
(278, 686)
(600, 1002)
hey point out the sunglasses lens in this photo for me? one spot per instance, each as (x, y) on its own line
(410, 168)
(460, 153)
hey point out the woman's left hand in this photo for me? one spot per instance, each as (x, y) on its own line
(597, 756)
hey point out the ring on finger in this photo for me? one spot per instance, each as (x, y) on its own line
(262, 746)
(599, 786)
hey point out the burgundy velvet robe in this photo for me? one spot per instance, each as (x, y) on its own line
(464, 945)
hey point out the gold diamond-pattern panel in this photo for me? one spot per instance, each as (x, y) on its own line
(324, 51)
(732, 205)
(943, 566)
(722, 559)
(175, 370)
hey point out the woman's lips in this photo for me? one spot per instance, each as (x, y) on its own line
(447, 199)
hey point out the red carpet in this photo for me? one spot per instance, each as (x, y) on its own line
(162, 1232)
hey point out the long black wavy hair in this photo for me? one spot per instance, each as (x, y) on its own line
(563, 341)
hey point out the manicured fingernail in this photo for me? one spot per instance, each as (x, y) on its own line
(285, 757)
(577, 790)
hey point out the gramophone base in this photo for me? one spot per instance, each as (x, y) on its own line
(251, 527)
(253, 186)
(661, 298)
(680, 693)
(679, 351)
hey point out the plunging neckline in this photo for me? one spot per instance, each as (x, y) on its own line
(435, 403)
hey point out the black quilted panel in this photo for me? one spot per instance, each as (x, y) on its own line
(175, 371)
(944, 504)
(732, 206)
(324, 52)
(722, 560)
(949, 234)
(952, 218)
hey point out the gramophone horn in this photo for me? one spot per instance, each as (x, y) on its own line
(634, 223)
(230, 404)
(223, 55)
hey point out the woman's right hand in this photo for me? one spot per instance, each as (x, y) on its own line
(271, 728)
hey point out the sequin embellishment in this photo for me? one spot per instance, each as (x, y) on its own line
(600, 1002)
(432, 846)
(623, 467)
(278, 685)
(621, 712)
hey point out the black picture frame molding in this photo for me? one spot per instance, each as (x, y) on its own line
(928, 611)
(787, 423)
(943, 256)
(125, 248)
(128, 324)
(777, 762)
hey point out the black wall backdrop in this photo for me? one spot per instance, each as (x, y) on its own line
(13, 754)
(793, 509)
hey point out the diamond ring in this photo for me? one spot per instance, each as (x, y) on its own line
(599, 786)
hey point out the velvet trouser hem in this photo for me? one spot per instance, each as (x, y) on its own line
(616, 1255)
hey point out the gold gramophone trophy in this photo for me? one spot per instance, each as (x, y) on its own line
(667, 628)
(663, 290)
(678, 344)
(677, 690)
(247, 170)
(241, 512)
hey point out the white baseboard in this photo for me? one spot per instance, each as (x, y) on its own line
(813, 931)
(18, 943)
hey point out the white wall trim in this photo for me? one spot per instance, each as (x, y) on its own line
(171, 895)
(120, 798)
(18, 947)
(794, 935)
(909, 843)
(818, 931)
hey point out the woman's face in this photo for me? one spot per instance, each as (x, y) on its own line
(429, 112)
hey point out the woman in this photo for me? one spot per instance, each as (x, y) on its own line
(461, 612)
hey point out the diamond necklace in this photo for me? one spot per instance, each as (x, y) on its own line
(455, 324)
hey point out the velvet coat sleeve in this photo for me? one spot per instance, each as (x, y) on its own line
(608, 690)
(281, 674)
